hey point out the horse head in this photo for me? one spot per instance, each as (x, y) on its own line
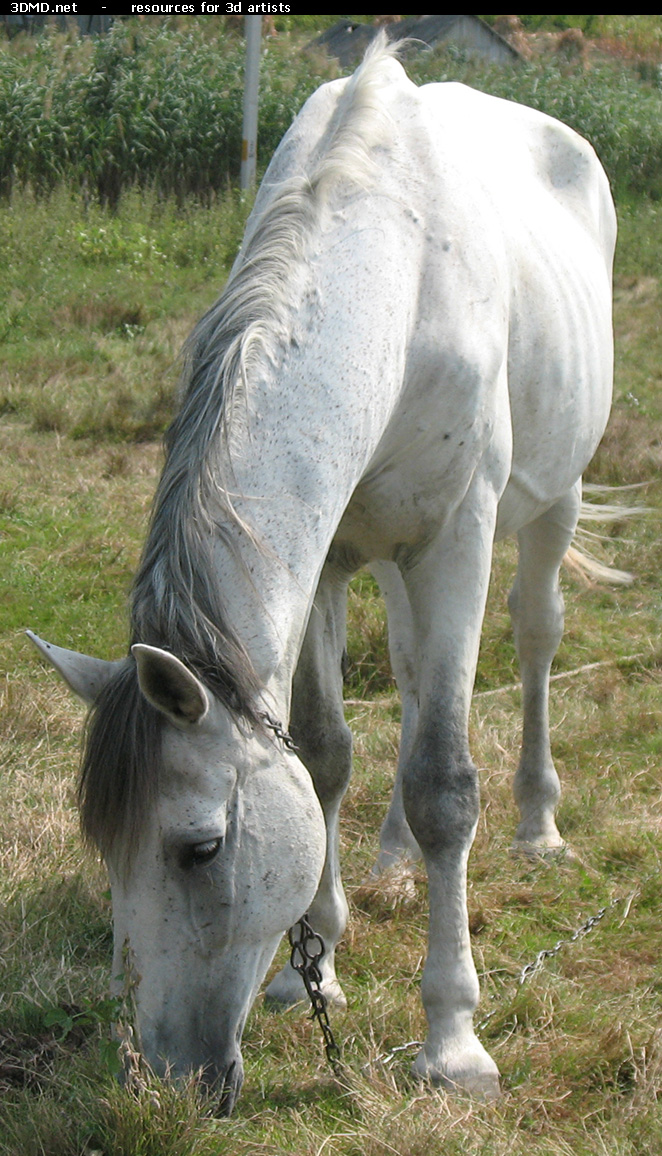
(214, 860)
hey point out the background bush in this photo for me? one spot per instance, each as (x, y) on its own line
(160, 106)
(149, 107)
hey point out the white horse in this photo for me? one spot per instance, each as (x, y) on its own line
(412, 355)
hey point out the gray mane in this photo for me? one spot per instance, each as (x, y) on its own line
(177, 603)
(176, 600)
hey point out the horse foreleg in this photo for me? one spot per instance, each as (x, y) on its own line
(447, 586)
(536, 607)
(397, 846)
(324, 741)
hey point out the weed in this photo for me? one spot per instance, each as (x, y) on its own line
(94, 1013)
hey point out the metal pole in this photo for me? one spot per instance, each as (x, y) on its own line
(253, 26)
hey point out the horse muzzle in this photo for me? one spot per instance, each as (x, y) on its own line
(221, 1075)
(224, 1084)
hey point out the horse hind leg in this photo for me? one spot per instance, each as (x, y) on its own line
(324, 741)
(536, 608)
(398, 848)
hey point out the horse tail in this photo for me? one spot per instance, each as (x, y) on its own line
(580, 558)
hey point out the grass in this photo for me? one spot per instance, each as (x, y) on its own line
(92, 318)
(95, 313)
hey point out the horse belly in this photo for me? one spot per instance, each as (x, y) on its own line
(560, 385)
(379, 522)
(452, 421)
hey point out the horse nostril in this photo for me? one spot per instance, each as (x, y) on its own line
(232, 1079)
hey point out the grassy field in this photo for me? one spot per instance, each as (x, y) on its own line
(92, 312)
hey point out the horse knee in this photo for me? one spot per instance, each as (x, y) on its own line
(440, 793)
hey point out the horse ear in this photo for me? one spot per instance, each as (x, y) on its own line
(84, 675)
(169, 685)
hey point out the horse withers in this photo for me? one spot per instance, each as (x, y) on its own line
(412, 355)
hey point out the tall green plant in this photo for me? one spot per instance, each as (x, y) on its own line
(160, 107)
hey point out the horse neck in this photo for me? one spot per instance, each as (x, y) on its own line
(313, 420)
(299, 432)
(291, 481)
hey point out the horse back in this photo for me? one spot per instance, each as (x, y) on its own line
(510, 226)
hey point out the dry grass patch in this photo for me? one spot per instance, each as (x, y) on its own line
(560, 1040)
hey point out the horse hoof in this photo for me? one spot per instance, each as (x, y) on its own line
(472, 1072)
(523, 848)
(389, 887)
(399, 859)
(335, 996)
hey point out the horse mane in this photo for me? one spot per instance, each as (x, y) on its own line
(120, 766)
(177, 603)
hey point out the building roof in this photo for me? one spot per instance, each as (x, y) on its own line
(347, 40)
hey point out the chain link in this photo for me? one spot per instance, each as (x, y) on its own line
(279, 731)
(530, 969)
(387, 1058)
(306, 961)
(584, 928)
(527, 971)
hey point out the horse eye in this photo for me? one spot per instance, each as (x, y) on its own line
(201, 854)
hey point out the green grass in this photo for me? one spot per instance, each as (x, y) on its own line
(95, 313)
(93, 316)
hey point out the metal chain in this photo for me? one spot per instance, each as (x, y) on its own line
(306, 961)
(530, 969)
(301, 936)
(387, 1058)
(279, 731)
(527, 971)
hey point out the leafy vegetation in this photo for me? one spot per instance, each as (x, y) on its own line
(159, 106)
(140, 107)
(91, 318)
